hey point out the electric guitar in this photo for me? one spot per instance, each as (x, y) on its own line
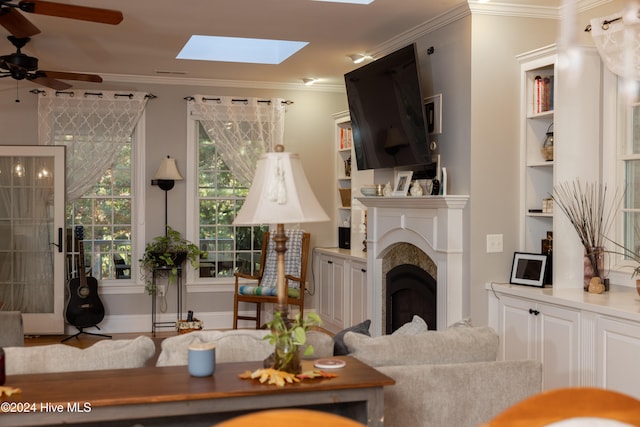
(84, 308)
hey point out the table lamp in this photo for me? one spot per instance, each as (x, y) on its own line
(280, 194)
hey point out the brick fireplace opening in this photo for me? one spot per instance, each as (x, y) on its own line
(410, 287)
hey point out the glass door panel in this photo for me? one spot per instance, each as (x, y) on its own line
(32, 196)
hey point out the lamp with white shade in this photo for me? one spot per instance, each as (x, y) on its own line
(280, 194)
(165, 178)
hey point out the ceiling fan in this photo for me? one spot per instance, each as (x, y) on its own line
(20, 66)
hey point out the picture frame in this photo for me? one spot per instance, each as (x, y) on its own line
(433, 112)
(528, 269)
(402, 184)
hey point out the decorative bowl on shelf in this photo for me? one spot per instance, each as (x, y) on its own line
(369, 190)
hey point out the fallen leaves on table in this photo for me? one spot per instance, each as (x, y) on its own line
(280, 378)
(8, 391)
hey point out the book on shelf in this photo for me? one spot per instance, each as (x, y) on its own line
(542, 94)
(346, 138)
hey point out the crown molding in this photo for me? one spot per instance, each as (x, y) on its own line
(418, 31)
(185, 81)
(529, 11)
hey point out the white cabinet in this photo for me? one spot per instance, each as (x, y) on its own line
(340, 279)
(545, 332)
(619, 353)
(357, 292)
(582, 339)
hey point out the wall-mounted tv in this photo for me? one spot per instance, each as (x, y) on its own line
(387, 112)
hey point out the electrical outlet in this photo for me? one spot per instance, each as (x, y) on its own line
(494, 243)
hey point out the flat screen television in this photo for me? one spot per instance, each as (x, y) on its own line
(387, 112)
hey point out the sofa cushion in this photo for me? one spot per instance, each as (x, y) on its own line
(11, 329)
(339, 347)
(453, 345)
(238, 345)
(460, 395)
(416, 326)
(106, 354)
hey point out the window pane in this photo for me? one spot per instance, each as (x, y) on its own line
(105, 214)
(227, 248)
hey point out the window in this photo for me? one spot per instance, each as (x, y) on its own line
(226, 248)
(105, 213)
(630, 159)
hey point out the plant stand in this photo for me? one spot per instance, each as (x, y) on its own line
(154, 323)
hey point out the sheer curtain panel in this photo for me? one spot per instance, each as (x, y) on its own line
(92, 125)
(242, 129)
(617, 38)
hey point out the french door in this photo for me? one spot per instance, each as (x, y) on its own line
(32, 253)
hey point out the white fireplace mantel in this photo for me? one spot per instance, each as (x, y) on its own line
(434, 224)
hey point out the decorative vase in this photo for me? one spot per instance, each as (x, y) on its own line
(287, 357)
(593, 266)
(547, 145)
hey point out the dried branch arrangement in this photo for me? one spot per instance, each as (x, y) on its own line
(589, 212)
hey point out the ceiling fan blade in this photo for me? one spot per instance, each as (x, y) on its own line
(83, 13)
(49, 82)
(71, 76)
(16, 23)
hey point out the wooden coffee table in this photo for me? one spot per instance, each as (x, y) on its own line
(170, 396)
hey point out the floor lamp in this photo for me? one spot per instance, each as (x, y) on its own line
(165, 178)
(280, 194)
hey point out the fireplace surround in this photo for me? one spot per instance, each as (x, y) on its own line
(435, 226)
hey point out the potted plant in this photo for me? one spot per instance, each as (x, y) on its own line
(288, 337)
(164, 254)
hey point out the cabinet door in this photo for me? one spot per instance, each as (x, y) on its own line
(358, 292)
(517, 324)
(618, 355)
(323, 284)
(338, 292)
(558, 346)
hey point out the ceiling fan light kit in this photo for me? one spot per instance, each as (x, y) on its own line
(20, 66)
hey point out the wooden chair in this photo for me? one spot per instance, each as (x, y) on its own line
(262, 289)
(284, 417)
(566, 403)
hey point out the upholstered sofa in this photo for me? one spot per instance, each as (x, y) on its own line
(106, 354)
(445, 378)
(237, 345)
(11, 329)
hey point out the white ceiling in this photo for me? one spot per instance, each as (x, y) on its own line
(152, 33)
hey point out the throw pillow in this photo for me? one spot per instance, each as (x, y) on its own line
(339, 347)
(416, 326)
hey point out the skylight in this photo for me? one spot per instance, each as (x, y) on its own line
(349, 1)
(236, 49)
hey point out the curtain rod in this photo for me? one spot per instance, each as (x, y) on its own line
(605, 23)
(218, 100)
(98, 94)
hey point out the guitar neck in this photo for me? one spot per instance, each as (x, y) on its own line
(82, 274)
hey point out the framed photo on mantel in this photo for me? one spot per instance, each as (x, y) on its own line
(403, 182)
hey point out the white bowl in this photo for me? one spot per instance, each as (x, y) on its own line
(368, 191)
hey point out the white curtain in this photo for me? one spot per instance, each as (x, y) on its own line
(93, 125)
(242, 129)
(617, 38)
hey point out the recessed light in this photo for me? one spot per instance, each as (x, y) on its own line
(357, 58)
(308, 81)
(236, 49)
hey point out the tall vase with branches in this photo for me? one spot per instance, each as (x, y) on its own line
(591, 214)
